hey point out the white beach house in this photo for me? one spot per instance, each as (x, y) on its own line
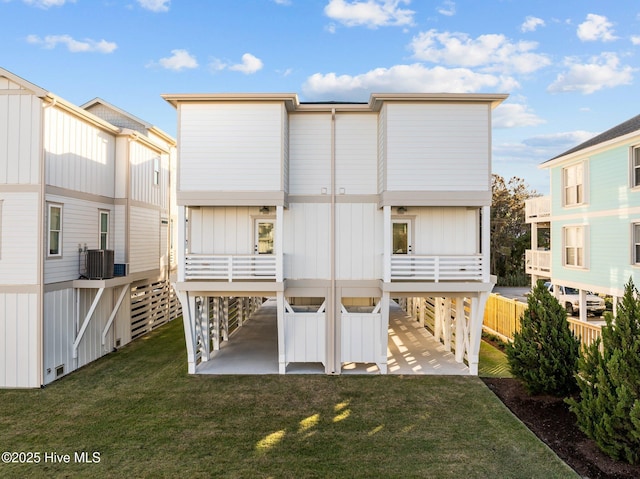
(334, 209)
(85, 225)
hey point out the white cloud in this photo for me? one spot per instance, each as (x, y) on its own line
(179, 60)
(402, 78)
(87, 45)
(596, 27)
(603, 71)
(370, 13)
(155, 5)
(448, 8)
(531, 24)
(250, 64)
(635, 39)
(512, 115)
(492, 52)
(283, 2)
(47, 3)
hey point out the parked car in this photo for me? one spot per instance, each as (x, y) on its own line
(570, 298)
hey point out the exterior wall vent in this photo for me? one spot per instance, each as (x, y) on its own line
(99, 264)
(59, 370)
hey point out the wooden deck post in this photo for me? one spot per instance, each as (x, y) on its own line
(460, 327)
(282, 365)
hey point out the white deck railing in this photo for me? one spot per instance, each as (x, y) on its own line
(230, 267)
(537, 262)
(436, 268)
(537, 209)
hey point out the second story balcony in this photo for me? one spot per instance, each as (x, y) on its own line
(537, 209)
(229, 268)
(406, 267)
(538, 262)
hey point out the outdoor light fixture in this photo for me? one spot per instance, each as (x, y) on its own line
(402, 210)
(264, 210)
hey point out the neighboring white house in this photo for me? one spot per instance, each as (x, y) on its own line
(334, 209)
(593, 214)
(85, 224)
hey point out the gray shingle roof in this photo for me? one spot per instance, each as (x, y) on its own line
(622, 129)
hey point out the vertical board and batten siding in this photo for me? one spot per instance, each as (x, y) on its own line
(231, 147)
(305, 337)
(143, 190)
(19, 341)
(222, 230)
(437, 147)
(80, 226)
(144, 239)
(20, 139)
(444, 230)
(19, 241)
(119, 234)
(309, 153)
(62, 323)
(79, 156)
(359, 245)
(285, 150)
(306, 241)
(356, 153)
(382, 149)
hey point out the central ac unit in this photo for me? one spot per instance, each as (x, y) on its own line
(99, 264)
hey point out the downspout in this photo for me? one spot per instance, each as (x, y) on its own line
(333, 307)
(42, 241)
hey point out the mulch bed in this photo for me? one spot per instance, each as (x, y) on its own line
(549, 418)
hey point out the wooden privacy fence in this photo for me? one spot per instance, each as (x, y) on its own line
(502, 317)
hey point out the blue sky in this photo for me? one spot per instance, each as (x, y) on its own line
(570, 66)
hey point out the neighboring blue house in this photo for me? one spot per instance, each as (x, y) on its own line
(593, 213)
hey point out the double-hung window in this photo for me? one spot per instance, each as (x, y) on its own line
(156, 171)
(54, 238)
(573, 181)
(574, 246)
(104, 230)
(635, 239)
(635, 167)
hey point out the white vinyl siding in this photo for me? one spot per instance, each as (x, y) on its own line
(445, 230)
(574, 246)
(20, 126)
(382, 149)
(231, 147)
(222, 230)
(79, 156)
(19, 239)
(437, 147)
(19, 341)
(356, 153)
(306, 241)
(144, 234)
(359, 241)
(80, 223)
(147, 165)
(310, 154)
(573, 184)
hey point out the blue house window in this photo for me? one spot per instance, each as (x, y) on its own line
(636, 243)
(574, 246)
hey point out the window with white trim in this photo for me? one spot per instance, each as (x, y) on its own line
(104, 230)
(635, 167)
(574, 254)
(54, 237)
(156, 171)
(573, 181)
(635, 238)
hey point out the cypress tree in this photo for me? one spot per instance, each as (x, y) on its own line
(544, 353)
(608, 407)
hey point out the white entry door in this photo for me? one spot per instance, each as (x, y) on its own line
(401, 242)
(264, 236)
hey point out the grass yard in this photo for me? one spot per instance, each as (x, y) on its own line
(146, 417)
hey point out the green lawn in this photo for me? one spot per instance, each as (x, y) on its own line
(146, 417)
